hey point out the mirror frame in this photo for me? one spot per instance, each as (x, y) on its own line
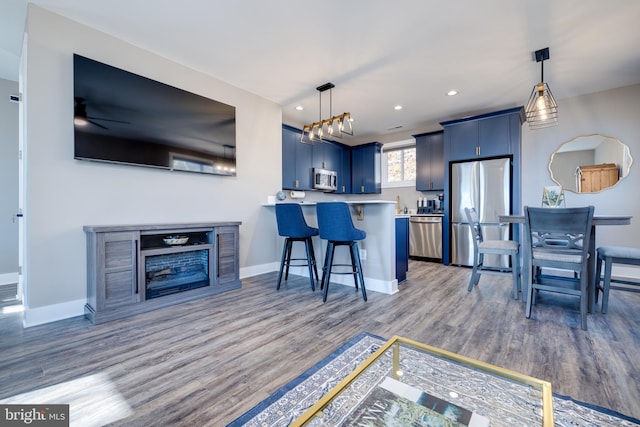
(623, 173)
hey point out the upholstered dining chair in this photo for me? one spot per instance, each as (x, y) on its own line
(614, 255)
(336, 227)
(558, 238)
(482, 247)
(293, 227)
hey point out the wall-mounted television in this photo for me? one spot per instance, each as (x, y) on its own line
(121, 117)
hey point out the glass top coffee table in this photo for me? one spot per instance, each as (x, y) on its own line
(409, 383)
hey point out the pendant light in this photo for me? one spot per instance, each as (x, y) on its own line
(334, 126)
(541, 110)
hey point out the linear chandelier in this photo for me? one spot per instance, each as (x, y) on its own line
(541, 110)
(334, 126)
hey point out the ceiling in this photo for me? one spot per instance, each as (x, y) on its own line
(379, 54)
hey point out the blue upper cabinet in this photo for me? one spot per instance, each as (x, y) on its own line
(344, 178)
(335, 157)
(430, 161)
(489, 135)
(317, 155)
(366, 168)
(296, 161)
(327, 155)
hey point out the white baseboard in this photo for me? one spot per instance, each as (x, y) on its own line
(256, 270)
(375, 285)
(627, 272)
(8, 278)
(52, 313)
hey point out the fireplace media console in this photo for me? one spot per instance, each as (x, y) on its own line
(132, 269)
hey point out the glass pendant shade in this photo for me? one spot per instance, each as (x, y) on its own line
(541, 110)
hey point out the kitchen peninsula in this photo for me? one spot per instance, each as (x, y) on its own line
(377, 251)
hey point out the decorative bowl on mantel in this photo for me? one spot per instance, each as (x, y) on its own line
(176, 240)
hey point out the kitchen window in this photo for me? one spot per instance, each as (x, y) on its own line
(399, 165)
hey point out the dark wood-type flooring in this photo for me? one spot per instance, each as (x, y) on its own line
(206, 362)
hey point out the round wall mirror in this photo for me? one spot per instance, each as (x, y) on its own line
(590, 163)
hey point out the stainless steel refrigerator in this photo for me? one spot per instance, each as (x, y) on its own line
(486, 186)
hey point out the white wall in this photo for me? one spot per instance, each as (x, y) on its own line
(63, 194)
(8, 183)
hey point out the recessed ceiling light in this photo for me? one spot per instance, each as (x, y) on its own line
(452, 92)
(299, 108)
(398, 107)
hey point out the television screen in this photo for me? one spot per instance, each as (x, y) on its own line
(122, 117)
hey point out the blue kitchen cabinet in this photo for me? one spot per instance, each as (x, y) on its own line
(430, 161)
(336, 157)
(402, 248)
(462, 140)
(366, 168)
(317, 155)
(296, 161)
(494, 136)
(488, 135)
(344, 179)
(327, 155)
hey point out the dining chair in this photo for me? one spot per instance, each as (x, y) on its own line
(293, 227)
(558, 238)
(614, 255)
(483, 247)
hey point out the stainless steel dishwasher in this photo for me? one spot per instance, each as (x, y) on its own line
(425, 236)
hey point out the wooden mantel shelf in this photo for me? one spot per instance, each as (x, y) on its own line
(147, 227)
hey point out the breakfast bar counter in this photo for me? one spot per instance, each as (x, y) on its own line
(377, 251)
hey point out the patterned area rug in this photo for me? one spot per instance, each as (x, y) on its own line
(289, 402)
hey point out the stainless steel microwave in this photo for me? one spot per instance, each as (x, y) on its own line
(325, 180)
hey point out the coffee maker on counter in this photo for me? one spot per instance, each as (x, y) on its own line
(431, 206)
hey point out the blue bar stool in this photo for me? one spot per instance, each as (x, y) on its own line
(336, 226)
(293, 227)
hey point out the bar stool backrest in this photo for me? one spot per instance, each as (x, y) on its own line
(335, 223)
(291, 222)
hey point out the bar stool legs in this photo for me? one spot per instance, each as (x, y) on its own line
(285, 260)
(356, 267)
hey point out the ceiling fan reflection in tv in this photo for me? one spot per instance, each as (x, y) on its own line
(80, 117)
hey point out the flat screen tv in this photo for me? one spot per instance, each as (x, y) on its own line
(121, 117)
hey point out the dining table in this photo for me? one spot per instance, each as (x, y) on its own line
(599, 220)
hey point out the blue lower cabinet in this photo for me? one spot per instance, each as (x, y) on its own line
(402, 248)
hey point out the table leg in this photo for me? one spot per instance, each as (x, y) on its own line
(591, 272)
(526, 272)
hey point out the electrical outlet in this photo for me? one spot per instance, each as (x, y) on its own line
(363, 254)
